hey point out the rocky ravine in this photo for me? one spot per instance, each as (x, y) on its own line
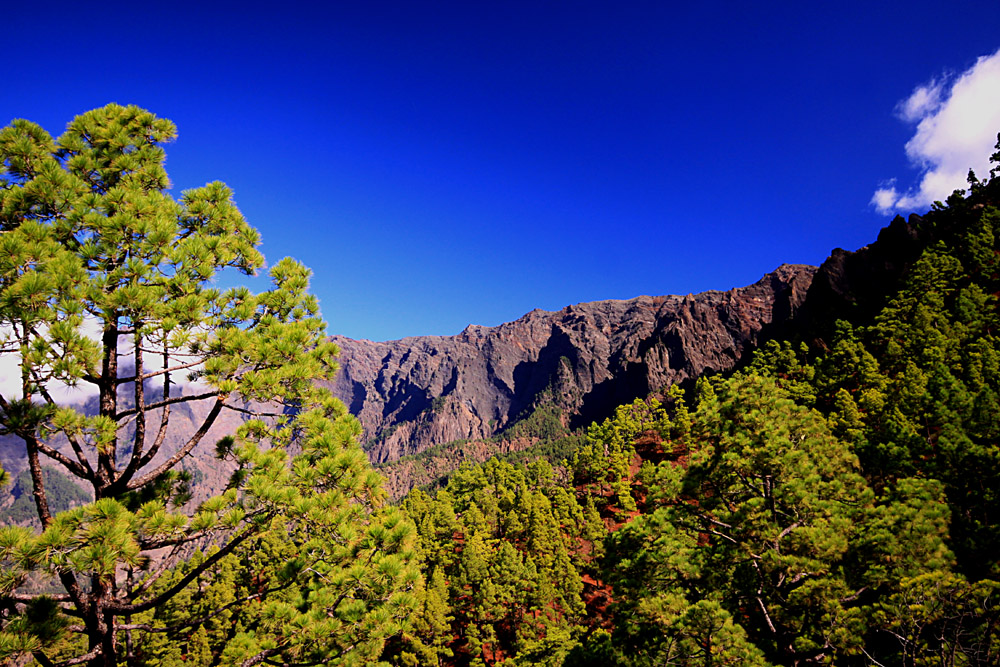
(417, 392)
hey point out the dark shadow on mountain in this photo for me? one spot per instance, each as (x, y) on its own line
(622, 388)
(358, 395)
(531, 379)
(406, 402)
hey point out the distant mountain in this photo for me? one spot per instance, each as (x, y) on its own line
(460, 397)
(579, 363)
(418, 392)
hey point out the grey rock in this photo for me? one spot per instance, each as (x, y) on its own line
(417, 392)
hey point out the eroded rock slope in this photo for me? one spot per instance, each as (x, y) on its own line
(414, 393)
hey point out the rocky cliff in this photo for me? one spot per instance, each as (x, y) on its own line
(417, 392)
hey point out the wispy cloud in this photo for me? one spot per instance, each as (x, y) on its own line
(10, 367)
(957, 119)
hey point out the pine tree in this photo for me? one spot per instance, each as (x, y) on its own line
(90, 238)
(763, 540)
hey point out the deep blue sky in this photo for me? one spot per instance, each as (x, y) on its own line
(439, 164)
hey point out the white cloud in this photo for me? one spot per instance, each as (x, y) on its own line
(885, 198)
(10, 367)
(924, 101)
(10, 370)
(957, 123)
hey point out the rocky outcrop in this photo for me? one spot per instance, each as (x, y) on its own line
(417, 392)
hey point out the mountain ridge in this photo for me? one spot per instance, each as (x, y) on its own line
(420, 391)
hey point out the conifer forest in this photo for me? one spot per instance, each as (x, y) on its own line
(833, 499)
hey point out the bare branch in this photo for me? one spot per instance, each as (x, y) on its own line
(78, 450)
(149, 545)
(79, 660)
(72, 586)
(182, 452)
(253, 413)
(163, 371)
(767, 617)
(260, 657)
(108, 397)
(164, 420)
(68, 463)
(157, 442)
(785, 533)
(800, 576)
(854, 596)
(168, 401)
(42, 659)
(165, 563)
(122, 609)
(714, 521)
(37, 483)
(874, 661)
(139, 439)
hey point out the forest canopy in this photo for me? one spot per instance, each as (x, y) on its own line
(832, 500)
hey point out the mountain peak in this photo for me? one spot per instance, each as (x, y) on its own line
(587, 358)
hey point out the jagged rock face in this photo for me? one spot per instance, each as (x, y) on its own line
(417, 392)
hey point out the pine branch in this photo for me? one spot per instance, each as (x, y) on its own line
(87, 472)
(149, 545)
(181, 453)
(167, 401)
(68, 463)
(123, 609)
(202, 619)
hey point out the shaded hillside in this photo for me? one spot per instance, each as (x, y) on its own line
(855, 285)
(587, 359)
(834, 501)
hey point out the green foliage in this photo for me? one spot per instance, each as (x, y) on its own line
(509, 541)
(542, 427)
(556, 450)
(761, 540)
(542, 423)
(917, 391)
(832, 503)
(298, 551)
(939, 618)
